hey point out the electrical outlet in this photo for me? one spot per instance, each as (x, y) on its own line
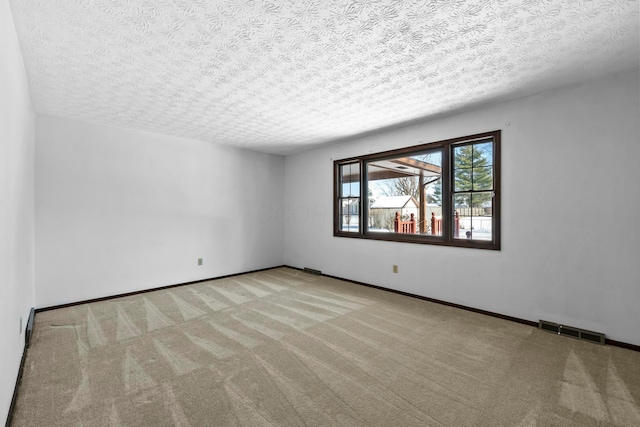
(199, 261)
(395, 268)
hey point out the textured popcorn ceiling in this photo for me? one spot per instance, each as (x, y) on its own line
(282, 75)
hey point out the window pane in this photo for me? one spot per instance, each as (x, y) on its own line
(483, 178)
(349, 214)
(461, 201)
(463, 157)
(408, 185)
(350, 180)
(483, 154)
(481, 202)
(474, 212)
(473, 168)
(350, 189)
(462, 179)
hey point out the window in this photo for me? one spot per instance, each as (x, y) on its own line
(442, 193)
(349, 197)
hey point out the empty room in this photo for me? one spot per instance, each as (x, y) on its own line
(319, 213)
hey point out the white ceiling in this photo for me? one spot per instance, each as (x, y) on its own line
(284, 75)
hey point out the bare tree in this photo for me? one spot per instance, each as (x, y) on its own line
(408, 186)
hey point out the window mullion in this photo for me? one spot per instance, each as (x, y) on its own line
(364, 200)
(447, 196)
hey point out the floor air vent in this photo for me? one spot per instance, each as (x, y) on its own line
(312, 271)
(570, 331)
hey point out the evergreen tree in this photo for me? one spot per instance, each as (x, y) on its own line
(437, 192)
(473, 172)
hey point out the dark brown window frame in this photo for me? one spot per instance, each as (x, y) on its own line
(446, 239)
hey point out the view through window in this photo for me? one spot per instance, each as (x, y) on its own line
(440, 193)
(408, 185)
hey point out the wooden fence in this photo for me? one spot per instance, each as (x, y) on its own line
(409, 227)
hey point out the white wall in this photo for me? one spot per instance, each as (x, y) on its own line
(119, 210)
(16, 207)
(570, 212)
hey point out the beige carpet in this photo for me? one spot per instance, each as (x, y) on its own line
(285, 348)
